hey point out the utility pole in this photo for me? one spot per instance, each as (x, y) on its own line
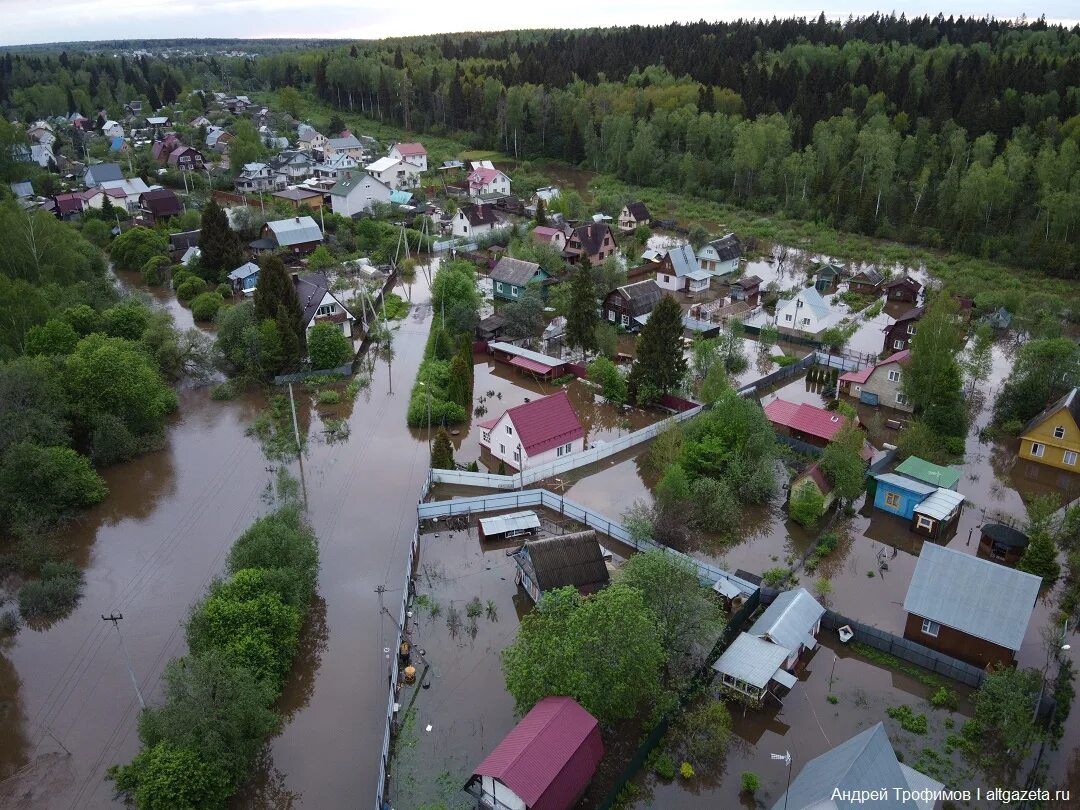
(127, 661)
(299, 449)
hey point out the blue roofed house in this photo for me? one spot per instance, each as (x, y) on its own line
(866, 762)
(806, 314)
(118, 144)
(679, 271)
(244, 278)
(932, 508)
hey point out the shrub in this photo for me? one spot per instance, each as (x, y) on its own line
(944, 698)
(328, 347)
(775, 576)
(329, 397)
(909, 721)
(223, 391)
(807, 505)
(10, 624)
(224, 290)
(54, 337)
(750, 782)
(189, 289)
(206, 306)
(48, 483)
(54, 595)
(169, 778)
(395, 307)
(686, 771)
(833, 699)
(664, 767)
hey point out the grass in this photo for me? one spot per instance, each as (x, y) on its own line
(886, 660)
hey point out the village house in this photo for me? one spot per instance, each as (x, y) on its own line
(827, 277)
(118, 146)
(394, 173)
(754, 668)
(488, 183)
(42, 132)
(904, 289)
(898, 334)
(156, 122)
(199, 121)
(335, 167)
(546, 235)
(806, 314)
(574, 560)
(181, 242)
(259, 177)
(161, 150)
(747, 289)
(244, 278)
(1002, 543)
(301, 198)
(160, 204)
(867, 282)
(721, 256)
(923, 493)
(347, 145)
(310, 139)
(879, 384)
(805, 423)
(186, 159)
(95, 197)
(412, 153)
(294, 164)
(491, 328)
(100, 173)
(545, 763)
(69, 205)
(297, 235)
(1053, 437)
(510, 276)
(812, 477)
(22, 189)
(864, 765)
(593, 239)
(112, 129)
(678, 271)
(534, 433)
(632, 215)
(319, 304)
(473, 220)
(968, 608)
(792, 621)
(357, 193)
(629, 306)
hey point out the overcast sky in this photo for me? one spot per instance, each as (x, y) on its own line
(32, 21)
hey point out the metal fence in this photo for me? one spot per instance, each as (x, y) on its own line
(799, 446)
(780, 374)
(532, 475)
(909, 651)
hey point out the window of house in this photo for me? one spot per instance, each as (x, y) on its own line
(924, 522)
(327, 309)
(502, 449)
(911, 329)
(611, 315)
(509, 431)
(805, 321)
(517, 455)
(513, 291)
(625, 320)
(666, 279)
(564, 450)
(486, 435)
(1037, 450)
(498, 286)
(1059, 432)
(930, 628)
(901, 399)
(898, 345)
(892, 499)
(601, 254)
(465, 228)
(787, 317)
(894, 376)
(1069, 458)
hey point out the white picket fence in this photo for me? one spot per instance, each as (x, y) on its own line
(542, 472)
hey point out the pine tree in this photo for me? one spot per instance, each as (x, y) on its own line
(660, 365)
(442, 452)
(541, 212)
(1040, 557)
(218, 242)
(581, 319)
(276, 294)
(459, 388)
(290, 353)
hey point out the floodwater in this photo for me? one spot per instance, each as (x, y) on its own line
(150, 549)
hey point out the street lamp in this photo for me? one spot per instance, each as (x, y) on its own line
(786, 759)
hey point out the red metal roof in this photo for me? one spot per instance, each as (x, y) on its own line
(545, 232)
(861, 376)
(805, 418)
(410, 149)
(545, 423)
(814, 472)
(531, 365)
(488, 424)
(549, 757)
(481, 177)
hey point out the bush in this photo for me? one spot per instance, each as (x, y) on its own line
(750, 782)
(909, 721)
(156, 270)
(206, 306)
(223, 391)
(328, 347)
(190, 288)
(9, 623)
(944, 698)
(686, 770)
(395, 307)
(47, 483)
(775, 576)
(224, 290)
(664, 767)
(807, 505)
(329, 397)
(169, 778)
(111, 441)
(54, 595)
(54, 337)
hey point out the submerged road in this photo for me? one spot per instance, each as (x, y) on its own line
(67, 705)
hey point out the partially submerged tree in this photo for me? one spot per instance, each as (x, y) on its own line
(659, 366)
(442, 452)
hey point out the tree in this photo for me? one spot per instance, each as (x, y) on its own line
(52, 338)
(442, 452)
(978, 361)
(931, 378)
(32, 406)
(245, 147)
(459, 387)
(603, 650)
(698, 236)
(136, 246)
(660, 365)
(715, 384)
(607, 339)
(276, 298)
(581, 319)
(688, 619)
(219, 245)
(1003, 729)
(541, 212)
(843, 465)
(168, 778)
(328, 347)
(525, 316)
(673, 488)
(321, 258)
(704, 733)
(611, 381)
(715, 509)
(206, 306)
(43, 486)
(1044, 371)
(807, 504)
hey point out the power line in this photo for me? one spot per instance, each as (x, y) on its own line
(123, 648)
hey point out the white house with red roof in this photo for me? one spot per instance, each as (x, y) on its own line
(534, 433)
(807, 423)
(548, 235)
(413, 153)
(880, 384)
(485, 182)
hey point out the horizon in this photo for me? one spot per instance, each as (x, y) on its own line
(232, 19)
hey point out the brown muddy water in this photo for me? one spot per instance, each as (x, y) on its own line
(68, 707)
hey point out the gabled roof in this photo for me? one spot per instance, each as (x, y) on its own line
(907, 484)
(243, 271)
(828, 269)
(727, 247)
(568, 559)
(515, 271)
(641, 297)
(297, 194)
(928, 472)
(69, 203)
(1070, 402)
(911, 315)
(346, 185)
(805, 418)
(866, 762)
(479, 178)
(295, 231)
(103, 172)
(410, 149)
(789, 620)
(483, 214)
(941, 504)
(382, 164)
(683, 260)
(22, 188)
(591, 236)
(975, 596)
(549, 757)
(752, 660)
(869, 275)
(546, 423)
(904, 281)
(747, 282)
(814, 473)
(184, 239)
(513, 522)
(161, 202)
(638, 211)
(311, 289)
(813, 301)
(349, 142)
(545, 232)
(1005, 535)
(861, 376)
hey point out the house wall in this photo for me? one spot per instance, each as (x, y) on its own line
(886, 389)
(709, 260)
(616, 311)
(503, 445)
(797, 319)
(864, 288)
(329, 300)
(1054, 449)
(903, 293)
(1010, 557)
(461, 226)
(419, 161)
(499, 795)
(908, 500)
(667, 280)
(898, 337)
(958, 644)
(936, 528)
(360, 198)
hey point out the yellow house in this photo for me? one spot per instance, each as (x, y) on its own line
(1053, 437)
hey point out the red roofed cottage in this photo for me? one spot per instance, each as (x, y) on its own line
(413, 153)
(534, 433)
(806, 423)
(544, 763)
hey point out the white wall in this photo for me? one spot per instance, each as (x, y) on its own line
(499, 794)
(503, 445)
(673, 282)
(329, 299)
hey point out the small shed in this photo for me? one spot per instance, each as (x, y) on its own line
(1000, 318)
(827, 276)
(899, 495)
(491, 327)
(546, 761)
(746, 289)
(866, 282)
(938, 514)
(574, 559)
(503, 527)
(903, 289)
(541, 365)
(1002, 543)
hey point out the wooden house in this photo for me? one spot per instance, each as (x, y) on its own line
(879, 384)
(1053, 437)
(511, 276)
(632, 215)
(629, 306)
(898, 335)
(747, 289)
(1002, 543)
(867, 282)
(827, 277)
(575, 560)
(905, 289)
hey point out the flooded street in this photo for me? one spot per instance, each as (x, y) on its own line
(150, 549)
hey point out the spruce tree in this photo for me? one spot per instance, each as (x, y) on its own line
(442, 452)
(659, 365)
(541, 213)
(290, 352)
(219, 243)
(276, 292)
(581, 320)
(1040, 557)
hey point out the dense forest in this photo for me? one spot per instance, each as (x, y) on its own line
(958, 133)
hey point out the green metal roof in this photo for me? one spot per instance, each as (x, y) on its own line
(934, 474)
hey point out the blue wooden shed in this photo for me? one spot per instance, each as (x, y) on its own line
(899, 495)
